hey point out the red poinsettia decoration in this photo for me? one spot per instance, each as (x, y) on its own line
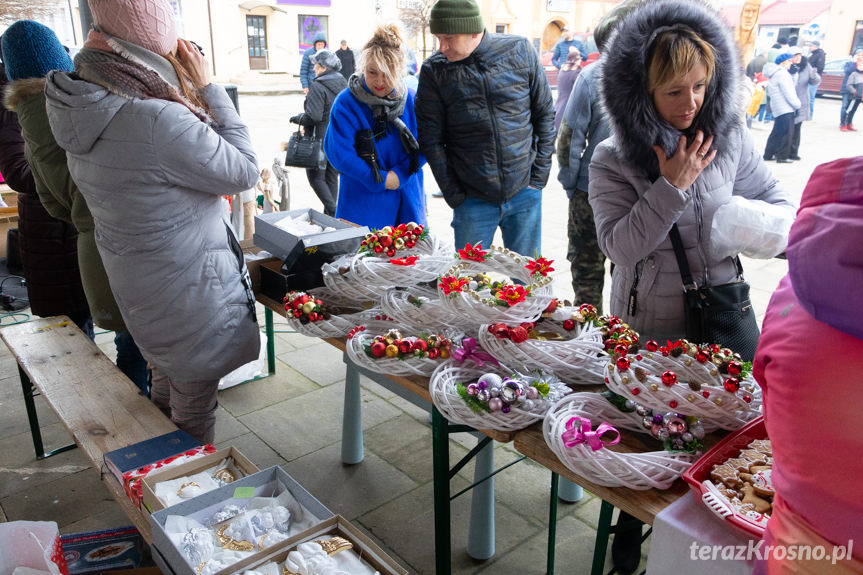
(510, 294)
(408, 261)
(540, 266)
(450, 284)
(475, 253)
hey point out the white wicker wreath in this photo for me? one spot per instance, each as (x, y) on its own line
(604, 466)
(577, 360)
(340, 325)
(341, 279)
(443, 387)
(478, 305)
(423, 263)
(420, 308)
(355, 348)
(698, 387)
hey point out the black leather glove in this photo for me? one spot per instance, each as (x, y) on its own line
(296, 119)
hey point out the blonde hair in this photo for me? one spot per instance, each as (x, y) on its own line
(265, 173)
(675, 53)
(188, 88)
(386, 50)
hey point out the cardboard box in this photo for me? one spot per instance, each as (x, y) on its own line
(336, 526)
(344, 239)
(269, 482)
(254, 262)
(305, 274)
(148, 484)
(98, 551)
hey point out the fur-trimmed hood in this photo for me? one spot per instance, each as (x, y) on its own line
(20, 89)
(635, 123)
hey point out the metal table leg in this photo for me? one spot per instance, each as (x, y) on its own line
(352, 418)
(552, 524)
(271, 342)
(29, 390)
(603, 530)
(440, 465)
(480, 542)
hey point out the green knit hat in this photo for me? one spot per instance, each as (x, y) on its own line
(456, 17)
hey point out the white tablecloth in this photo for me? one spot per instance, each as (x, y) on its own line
(684, 522)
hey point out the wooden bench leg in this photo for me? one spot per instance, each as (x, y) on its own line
(29, 392)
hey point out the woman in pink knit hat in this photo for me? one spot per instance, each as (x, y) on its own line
(153, 145)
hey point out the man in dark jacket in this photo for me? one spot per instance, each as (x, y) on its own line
(486, 127)
(565, 45)
(346, 57)
(817, 59)
(307, 72)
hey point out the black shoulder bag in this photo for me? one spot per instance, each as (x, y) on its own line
(720, 314)
(305, 151)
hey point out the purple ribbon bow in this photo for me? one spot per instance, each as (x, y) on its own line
(470, 350)
(578, 430)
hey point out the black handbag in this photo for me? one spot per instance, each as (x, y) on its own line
(720, 314)
(305, 151)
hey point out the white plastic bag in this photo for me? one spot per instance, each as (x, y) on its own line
(31, 546)
(248, 371)
(753, 228)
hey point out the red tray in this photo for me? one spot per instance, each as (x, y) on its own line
(698, 478)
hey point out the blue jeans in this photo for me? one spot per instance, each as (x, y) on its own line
(519, 219)
(847, 98)
(813, 89)
(131, 362)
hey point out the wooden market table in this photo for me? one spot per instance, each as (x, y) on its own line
(643, 505)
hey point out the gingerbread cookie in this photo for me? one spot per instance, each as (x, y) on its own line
(750, 496)
(726, 475)
(762, 445)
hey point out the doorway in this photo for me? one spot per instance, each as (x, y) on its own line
(256, 27)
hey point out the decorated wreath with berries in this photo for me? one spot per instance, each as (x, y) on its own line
(398, 352)
(707, 381)
(472, 289)
(389, 240)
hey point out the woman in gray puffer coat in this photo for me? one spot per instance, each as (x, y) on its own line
(679, 150)
(153, 146)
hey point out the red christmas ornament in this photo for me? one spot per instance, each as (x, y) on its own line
(379, 348)
(672, 404)
(705, 393)
(747, 398)
(405, 346)
(669, 378)
(620, 349)
(735, 368)
(703, 356)
(568, 325)
(420, 345)
(636, 390)
(433, 352)
(622, 363)
(639, 357)
(651, 346)
(732, 384)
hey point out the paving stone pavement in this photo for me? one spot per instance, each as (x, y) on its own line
(293, 419)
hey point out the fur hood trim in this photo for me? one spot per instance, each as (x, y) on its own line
(20, 89)
(635, 124)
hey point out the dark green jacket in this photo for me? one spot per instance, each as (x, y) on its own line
(60, 197)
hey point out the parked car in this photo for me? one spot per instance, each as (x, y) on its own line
(831, 79)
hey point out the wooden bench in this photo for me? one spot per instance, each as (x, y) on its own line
(99, 406)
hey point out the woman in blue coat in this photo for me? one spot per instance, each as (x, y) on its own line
(372, 142)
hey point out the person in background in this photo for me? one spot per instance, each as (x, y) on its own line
(565, 45)
(328, 84)
(854, 88)
(486, 121)
(784, 104)
(583, 127)
(805, 77)
(372, 142)
(48, 246)
(809, 361)
(845, 124)
(307, 72)
(346, 57)
(756, 65)
(153, 146)
(565, 80)
(817, 59)
(265, 189)
(32, 50)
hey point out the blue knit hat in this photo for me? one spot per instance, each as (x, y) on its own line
(31, 50)
(782, 57)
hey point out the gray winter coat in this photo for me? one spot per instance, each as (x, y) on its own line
(780, 90)
(634, 206)
(806, 76)
(153, 175)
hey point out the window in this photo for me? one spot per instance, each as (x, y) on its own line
(309, 27)
(501, 28)
(257, 32)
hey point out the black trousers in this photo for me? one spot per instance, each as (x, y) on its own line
(795, 140)
(779, 140)
(325, 183)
